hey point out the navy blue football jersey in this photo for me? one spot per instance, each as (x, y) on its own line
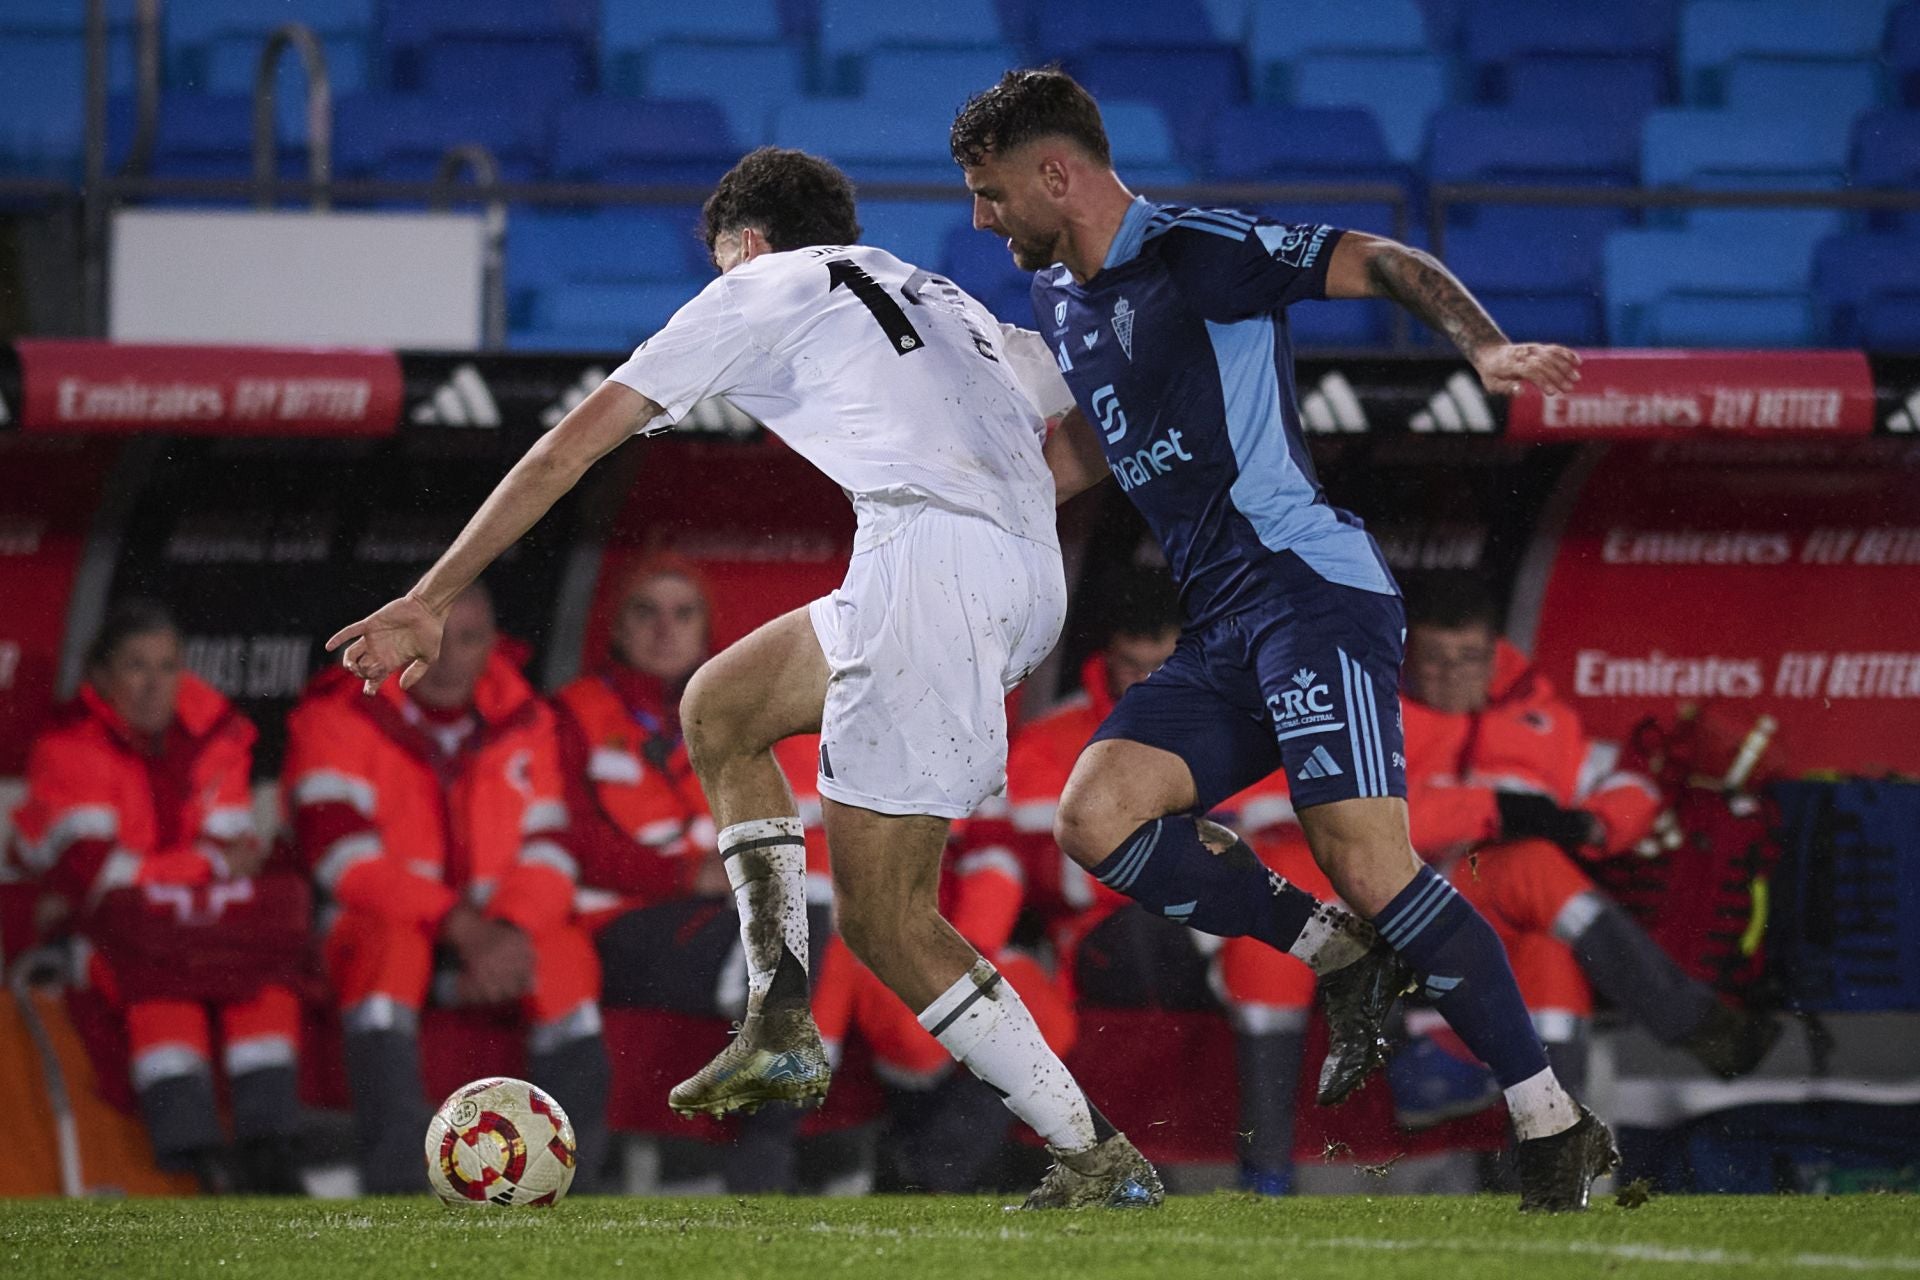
(1178, 353)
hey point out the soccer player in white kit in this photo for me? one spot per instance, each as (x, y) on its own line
(904, 391)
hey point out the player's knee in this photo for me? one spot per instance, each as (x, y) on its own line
(1095, 818)
(708, 723)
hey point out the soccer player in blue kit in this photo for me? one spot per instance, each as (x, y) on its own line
(1169, 325)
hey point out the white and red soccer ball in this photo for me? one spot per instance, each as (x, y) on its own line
(500, 1142)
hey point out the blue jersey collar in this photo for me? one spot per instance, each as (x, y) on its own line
(1133, 231)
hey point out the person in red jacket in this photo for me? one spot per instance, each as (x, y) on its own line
(652, 888)
(1508, 795)
(433, 822)
(138, 827)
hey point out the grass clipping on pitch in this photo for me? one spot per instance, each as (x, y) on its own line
(930, 1239)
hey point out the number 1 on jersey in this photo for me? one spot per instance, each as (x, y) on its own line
(901, 335)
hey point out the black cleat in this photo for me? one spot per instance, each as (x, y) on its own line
(1731, 1042)
(1557, 1172)
(1357, 999)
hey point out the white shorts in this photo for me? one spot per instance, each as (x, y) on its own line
(934, 625)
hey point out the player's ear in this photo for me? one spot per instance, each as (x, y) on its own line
(1053, 172)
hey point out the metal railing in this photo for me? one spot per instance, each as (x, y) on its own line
(313, 61)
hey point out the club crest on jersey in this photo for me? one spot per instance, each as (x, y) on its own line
(1123, 326)
(1060, 315)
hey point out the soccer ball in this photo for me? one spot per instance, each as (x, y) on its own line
(500, 1141)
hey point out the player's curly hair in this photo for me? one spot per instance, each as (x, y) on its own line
(1026, 105)
(794, 199)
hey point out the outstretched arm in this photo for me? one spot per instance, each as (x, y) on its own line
(404, 635)
(1366, 266)
(1074, 456)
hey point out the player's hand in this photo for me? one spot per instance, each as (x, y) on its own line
(402, 635)
(1506, 368)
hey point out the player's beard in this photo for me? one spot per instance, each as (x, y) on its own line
(1034, 253)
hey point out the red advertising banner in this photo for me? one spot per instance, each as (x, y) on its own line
(1786, 589)
(1641, 395)
(46, 507)
(261, 391)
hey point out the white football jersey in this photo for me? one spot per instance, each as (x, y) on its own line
(890, 379)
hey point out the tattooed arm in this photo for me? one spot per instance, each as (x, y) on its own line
(1365, 266)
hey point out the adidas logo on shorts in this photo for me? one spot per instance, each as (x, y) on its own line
(1320, 764)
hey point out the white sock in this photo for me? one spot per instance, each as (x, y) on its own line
(983, 1023)
(1333, 939)
(766, 862)
(1540, 1107)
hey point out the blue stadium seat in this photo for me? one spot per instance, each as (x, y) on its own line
(529, 70)
(1852, 273)
(856, 26)
(413, 31)
(1646, 268)
(1536, 269)
(631, 29)
(1190, 83)
(1689, 147)
(1886, 149)
(1279, 143)
(938, 75)
(196, 29)
(413, 24)
(917, 231)
(190, 23)
(905, 142)
(1715, 32)
(43, 89)
(1283, 34)
(228, 64)
(1062, 28)
(610, 315)
(56, 17)
(613, 244)
(1401, 90)
(1903, 51)
(1762, 88)
(1710, 320)
(1891, 323)
(1546, 256)
(1446, 23)
(1231, 20)
(1568, 316)
(1499, 30)
(1143, 145)
(630, 26)
(401, 137)
(207, 136)
(1317, 325)
(642, 140)
(748, 82)
(1481, 144)
(231, 62)
(1601, 86)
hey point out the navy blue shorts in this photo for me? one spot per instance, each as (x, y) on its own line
(1311, 683)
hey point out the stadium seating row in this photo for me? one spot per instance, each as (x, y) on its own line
(1705, 93)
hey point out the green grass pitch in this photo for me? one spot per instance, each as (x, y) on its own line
(926, 1239)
